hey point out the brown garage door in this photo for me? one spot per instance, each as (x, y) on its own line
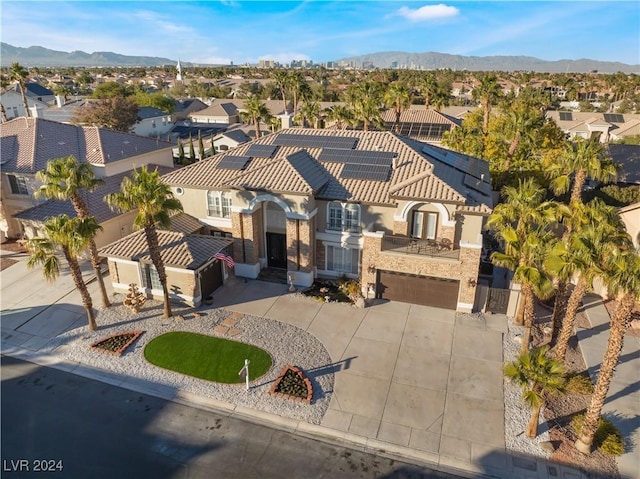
(211, 278)
(425, 290)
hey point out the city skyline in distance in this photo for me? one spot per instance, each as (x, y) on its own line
(247, 31)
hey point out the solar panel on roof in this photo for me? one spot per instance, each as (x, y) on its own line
(478, 185)
(261, 151)
(367, 157)
(614, 117)
(365, 172)
(233, 162)
(448, 158)
(315, 141)
(566, 116)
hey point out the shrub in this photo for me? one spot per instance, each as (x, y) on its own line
(579, 383)
(607, 438)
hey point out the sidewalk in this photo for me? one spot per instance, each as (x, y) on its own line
(622, 406)
(418, 383)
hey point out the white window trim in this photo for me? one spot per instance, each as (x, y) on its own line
(219, 196)
(20, 181)
(344, 209)
(344, 247)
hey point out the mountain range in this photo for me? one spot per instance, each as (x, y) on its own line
(36, 56)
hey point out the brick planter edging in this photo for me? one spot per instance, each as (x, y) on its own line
(121, 350)
(306, 380)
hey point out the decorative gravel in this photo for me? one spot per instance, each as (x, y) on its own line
(516, 414)
(287, 344)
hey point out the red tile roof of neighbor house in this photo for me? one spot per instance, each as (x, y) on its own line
(27, 144)
(419, 171)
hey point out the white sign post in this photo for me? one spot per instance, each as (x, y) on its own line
(245, 371)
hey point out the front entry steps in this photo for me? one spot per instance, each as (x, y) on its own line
(273, 275)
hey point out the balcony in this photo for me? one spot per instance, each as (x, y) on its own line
(346, 227)
(438, 248)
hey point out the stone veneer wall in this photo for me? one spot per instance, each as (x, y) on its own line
(246, 233)
(463, 269)
(300, 244)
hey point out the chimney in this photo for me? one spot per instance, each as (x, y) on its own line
(59, 101)
(287, 120)
(35, 111)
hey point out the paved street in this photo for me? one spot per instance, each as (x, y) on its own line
(102, 431)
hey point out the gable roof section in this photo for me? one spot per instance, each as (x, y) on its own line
(94, 200)
(627, 158)
(27, 144)
(145, 112)
(177, 249)
(414, 175)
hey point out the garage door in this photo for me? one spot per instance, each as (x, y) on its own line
(425, 290)
(211, 278)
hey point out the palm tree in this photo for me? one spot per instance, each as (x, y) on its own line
(580, 160)
(64, 179)
(523, 122)
(72, 235)
(397, 97)
(155, 203)
(281, 78)
(20, 74)
(487, 92)
(341, 115)
(624, 278)
(4, 83)
(538, 376)
(524, 255)
(429, 88)
(525, 207)
(254, 111)
(310, 110)
(365, 100)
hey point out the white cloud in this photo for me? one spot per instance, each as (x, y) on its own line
(428, 12)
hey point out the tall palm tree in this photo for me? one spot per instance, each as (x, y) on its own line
(310, 111)
(524, 210)
(623, 278)
(524, 255)
(341, 115)
(65, 179)
(487, 93)
(20, 74)
(397, 97)
(281, 78)
(254, 111)
(429, 88)
(523, 122)
(538, 376)
(365, 100)
(580, 160)
(4, 83)
(155, 203)
(72, 235)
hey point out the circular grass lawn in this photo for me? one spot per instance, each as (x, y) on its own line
(206, 357)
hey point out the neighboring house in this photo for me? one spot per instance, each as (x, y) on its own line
(183, 108)
(193, 271)
(232, 138)
(403, 217)
(37, 92)
(14, 108)
(424, 124)
(27, 144)
(627, 159)
(114, 225)
(631, 217)
(227, 112)
(152, 122)
(603, 126)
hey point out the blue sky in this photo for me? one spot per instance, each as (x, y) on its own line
(246, 31)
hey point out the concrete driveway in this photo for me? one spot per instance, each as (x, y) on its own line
(406, 375)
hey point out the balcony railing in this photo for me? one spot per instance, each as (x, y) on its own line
(345, 227)
(442, 247)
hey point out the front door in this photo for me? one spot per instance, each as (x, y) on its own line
(277, 250)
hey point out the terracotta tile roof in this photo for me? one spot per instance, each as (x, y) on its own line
(94, 199)
(415, 174)
(185, 223)
(177, 249)
(27, 144)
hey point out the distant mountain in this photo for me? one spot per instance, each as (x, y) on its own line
(43, 57)
(434, 61)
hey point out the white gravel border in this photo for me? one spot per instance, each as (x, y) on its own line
(287, 345)
(516, 414)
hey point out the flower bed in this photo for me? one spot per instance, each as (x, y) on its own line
(292, 384)
(116, 344)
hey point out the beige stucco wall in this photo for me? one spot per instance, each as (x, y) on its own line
(163, 157)
(631, 218)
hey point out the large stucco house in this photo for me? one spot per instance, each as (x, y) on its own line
(403, 217)
(27, 144)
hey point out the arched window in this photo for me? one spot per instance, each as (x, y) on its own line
(343, 217)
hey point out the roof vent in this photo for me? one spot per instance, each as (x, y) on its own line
(126, 142)
(61, 143)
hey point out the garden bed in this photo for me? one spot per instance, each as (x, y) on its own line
(116, 344)
(294, 385)
(328, 291)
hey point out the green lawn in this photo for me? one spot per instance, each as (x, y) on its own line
(206, 357)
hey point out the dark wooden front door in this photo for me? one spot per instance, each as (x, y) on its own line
(277, 250)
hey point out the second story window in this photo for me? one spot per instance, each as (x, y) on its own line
(343, 217)
(218, 204)
(18, 185)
